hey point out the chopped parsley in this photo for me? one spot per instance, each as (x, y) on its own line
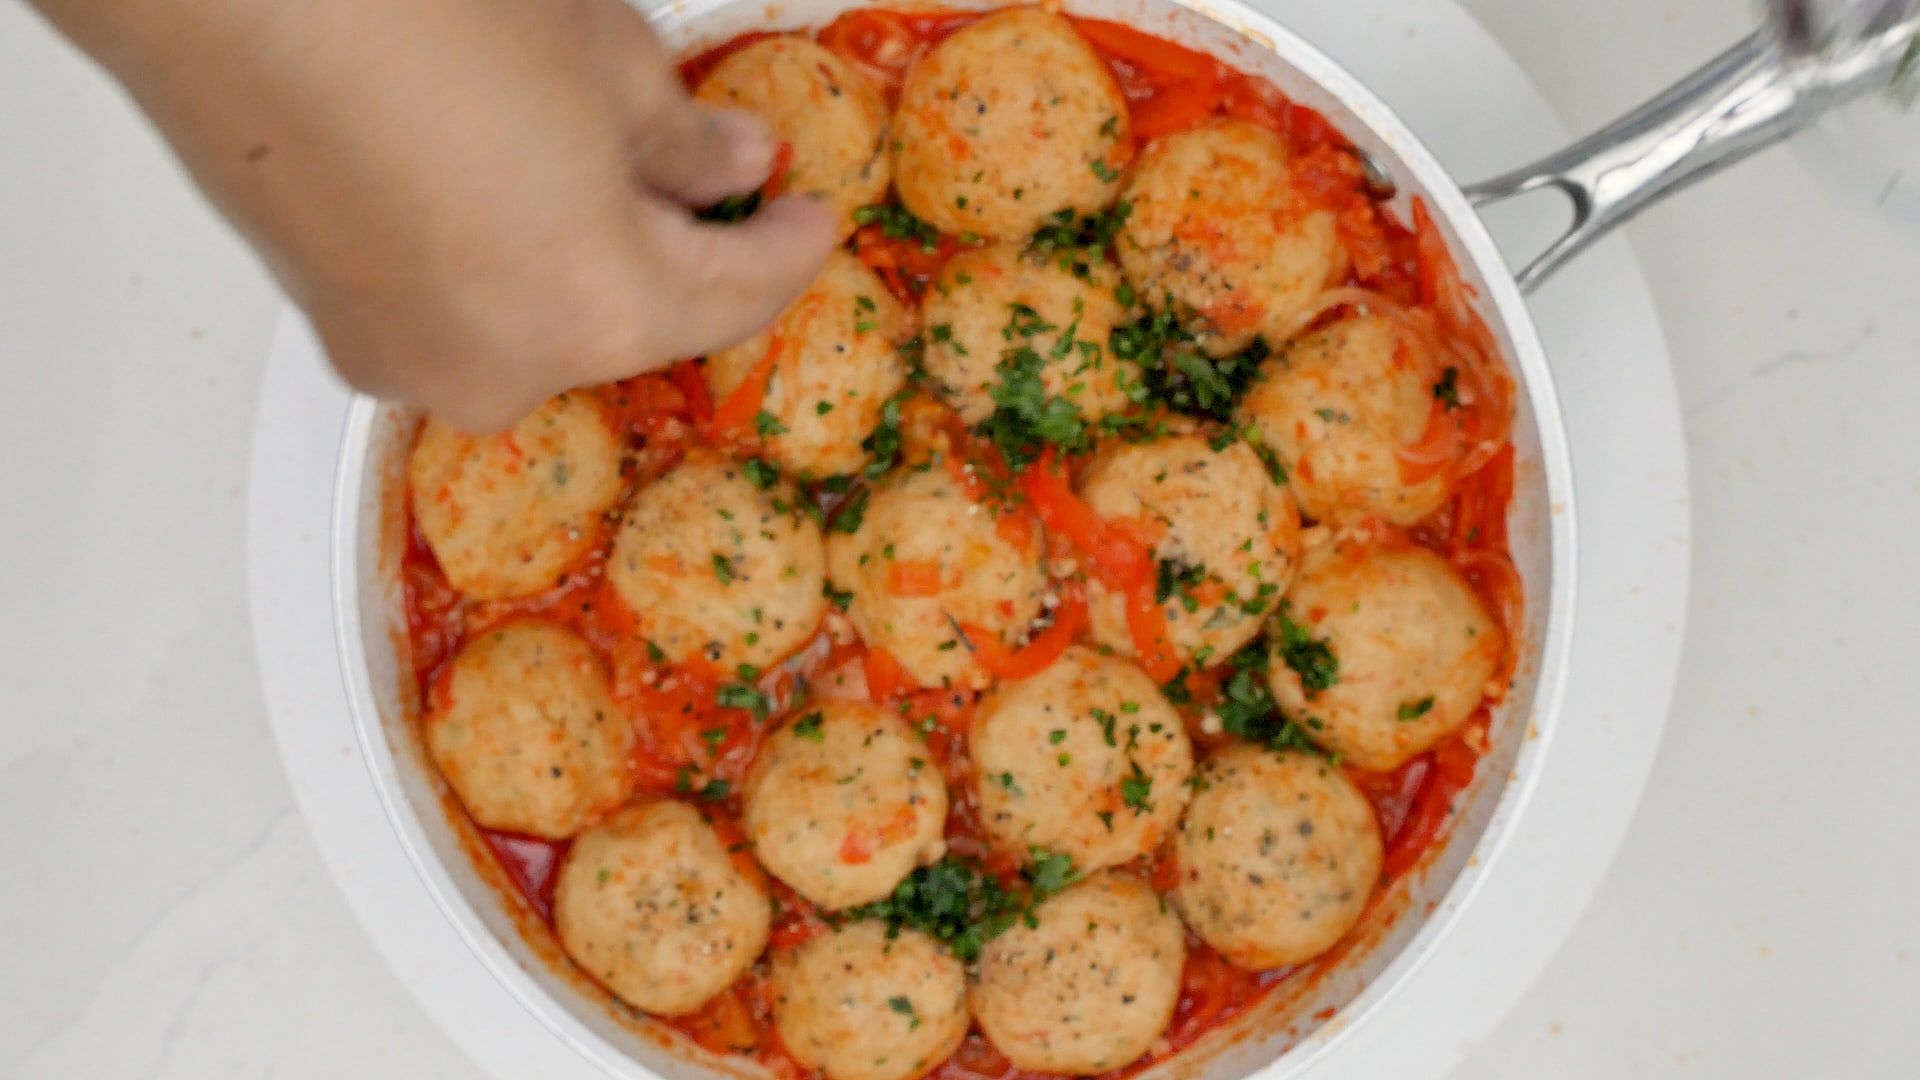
(1135, 789)
(1309, 657)
(1447, 390)
(1176, 577)
(897, 223)
(883, 444)
(715, 790)
(1414, 710)
(1105, 171)
(851, 513)
(956, 902)
(760, 473)
(1026, 419)
(1085, 238)
(767, 425)
(840, 598)
(1048, 873)
(722, 568)
(808, 727)
(737, 695)
(732, 209)
(1246, 707)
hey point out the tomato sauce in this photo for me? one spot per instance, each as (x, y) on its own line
(686, 741)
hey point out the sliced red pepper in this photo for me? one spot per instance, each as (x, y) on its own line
(1037, 654)
(741, 406)
(693, 387)
(886, 679)
(1120, 560)
(1147, 625)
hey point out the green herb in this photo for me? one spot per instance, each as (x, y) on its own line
(841, 598)
(1414, 710)
(1246, 707)
(654, 653)
(1176, 690)
(1026, 419)
(1049, 874)
(1276, 469)
(883, 443)
(808, 727)
(851, 512)
(683, 780)
(1174, 576)
(902, 1006)
(1105, 171)
(732, 209)
(1083, 240)
(713, 737)
(762, 475)
(1310, 658)
(951, 901)
(1447, 390)
(1135, 789)
(743, 696)
(722, 569)
(1057, 736)
(767, 424)
(1105, 720)
(897, 223)
(956, 902)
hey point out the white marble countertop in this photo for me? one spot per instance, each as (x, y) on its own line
(170, 917)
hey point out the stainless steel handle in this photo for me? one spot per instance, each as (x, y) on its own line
(1767, 87)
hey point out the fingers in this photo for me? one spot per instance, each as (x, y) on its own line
(697, 154)
(693, 153)
(727, 282)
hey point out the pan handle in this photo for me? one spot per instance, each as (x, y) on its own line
(1755, 94)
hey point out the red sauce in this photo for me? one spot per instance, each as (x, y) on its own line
(686, 740)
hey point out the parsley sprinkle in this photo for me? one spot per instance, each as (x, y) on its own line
(1414, 710)
(1310, 658)
(722, 569)
(760, 473)
(1448, 388)
(808, 727)
(896, 223)
(1135, 789)
(743, 696)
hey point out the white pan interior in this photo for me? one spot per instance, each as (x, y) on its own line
(1279, 1038)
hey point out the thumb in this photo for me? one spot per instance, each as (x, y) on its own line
(698, 154)
(727, 282)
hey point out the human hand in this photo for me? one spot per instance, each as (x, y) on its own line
(478, 204)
